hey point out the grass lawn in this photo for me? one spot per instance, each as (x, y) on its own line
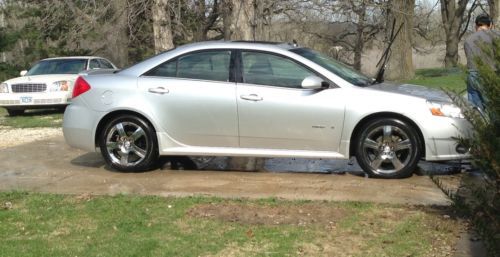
(440, 78)
(33, 224)
(32, 119)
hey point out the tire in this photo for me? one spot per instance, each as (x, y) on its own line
(388, 148)
(15, 112)
(128, 143)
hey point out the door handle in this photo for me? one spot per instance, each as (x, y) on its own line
(252, 97)
(158, 90)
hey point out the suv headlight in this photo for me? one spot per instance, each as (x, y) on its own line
(445, 110)
(4, 88)
(62, 85)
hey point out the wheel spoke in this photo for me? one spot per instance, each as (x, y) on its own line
(121, 130)
(138, 151)
(397, 163)
(112, 145)
(123, 158)
(139, 132)
(377, 162)
(387, 133)
(405, 144)
(369, 143)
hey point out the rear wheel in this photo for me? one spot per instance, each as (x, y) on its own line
(388, 148)
(128, 143)
(14, 112)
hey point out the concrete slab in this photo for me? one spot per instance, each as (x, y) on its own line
(52, 166)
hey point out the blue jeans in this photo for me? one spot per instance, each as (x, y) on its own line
(474, 90)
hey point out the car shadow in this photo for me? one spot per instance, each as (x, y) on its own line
(275, 165)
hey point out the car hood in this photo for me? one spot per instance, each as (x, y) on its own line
(47, 79)
(413, 90)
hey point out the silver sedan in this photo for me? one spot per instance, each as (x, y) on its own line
(261, 100)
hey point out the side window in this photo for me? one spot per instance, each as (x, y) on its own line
(166, 69)
(105, 64)
(210, 65)
(207, 65)
(272, 70)
(94, 64)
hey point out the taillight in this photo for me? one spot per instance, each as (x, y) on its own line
(81, 86)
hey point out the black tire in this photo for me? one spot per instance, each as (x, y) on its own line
(388, 148)
(15, 112)
(128, 143)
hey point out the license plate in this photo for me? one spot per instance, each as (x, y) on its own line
(26, 99)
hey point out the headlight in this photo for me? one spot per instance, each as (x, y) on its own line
(62, 85)
(4, 88)
(445, 110)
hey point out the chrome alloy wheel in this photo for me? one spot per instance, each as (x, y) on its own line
(127, 144)
(388, 149)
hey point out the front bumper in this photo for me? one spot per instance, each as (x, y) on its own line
(34, 100)
(441, 140)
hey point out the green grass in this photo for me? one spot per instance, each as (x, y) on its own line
(32, 119)
(439, 78)
(56, 225)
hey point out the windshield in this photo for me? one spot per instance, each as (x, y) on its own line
(58, 66)
(351, 75)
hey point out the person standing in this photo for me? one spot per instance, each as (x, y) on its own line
(473, 47)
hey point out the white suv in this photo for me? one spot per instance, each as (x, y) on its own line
(48, 84)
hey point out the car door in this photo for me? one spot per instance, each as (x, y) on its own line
(275, 112)
(194, 98)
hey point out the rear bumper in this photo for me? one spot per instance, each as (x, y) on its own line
(78, 127)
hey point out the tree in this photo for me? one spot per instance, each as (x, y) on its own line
(162, 30)
(495, 10)
(239, 19)
(455, 21)
(400, 65)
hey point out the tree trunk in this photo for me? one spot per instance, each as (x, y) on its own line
(495, 11)
(400, 64)
(239, 20)
(118, 35)
(452, 15)
(239, 24)
(162, 30)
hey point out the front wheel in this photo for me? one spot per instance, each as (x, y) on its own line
(128, 143)
(388, 148)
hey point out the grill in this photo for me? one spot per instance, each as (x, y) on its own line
(28, 88)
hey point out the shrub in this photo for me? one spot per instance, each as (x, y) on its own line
(482, 204)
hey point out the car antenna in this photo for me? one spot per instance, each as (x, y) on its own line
(379, 78)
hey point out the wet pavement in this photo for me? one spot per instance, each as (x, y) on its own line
(52, 166)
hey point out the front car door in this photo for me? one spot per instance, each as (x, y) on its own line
(275, 112)
(194, 98)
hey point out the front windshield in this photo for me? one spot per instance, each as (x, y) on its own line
(351, 75)
(58, 66)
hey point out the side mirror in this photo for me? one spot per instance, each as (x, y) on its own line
(23, 72)
(313, 82)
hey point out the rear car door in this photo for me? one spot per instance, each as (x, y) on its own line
(194, 98)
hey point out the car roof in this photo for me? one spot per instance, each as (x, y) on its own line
(72, 57)
(242, 44)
